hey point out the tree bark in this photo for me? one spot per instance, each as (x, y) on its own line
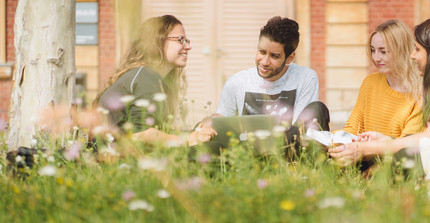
(44, 66)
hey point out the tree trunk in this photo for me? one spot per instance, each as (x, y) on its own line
(44, 65)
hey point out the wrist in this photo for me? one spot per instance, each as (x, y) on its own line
(184, 139)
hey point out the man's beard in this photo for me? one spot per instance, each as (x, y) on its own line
(276, 72)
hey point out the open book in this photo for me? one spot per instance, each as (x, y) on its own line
(329, 139)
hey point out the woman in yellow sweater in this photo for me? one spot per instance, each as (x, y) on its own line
(381, 144)
(387, 101)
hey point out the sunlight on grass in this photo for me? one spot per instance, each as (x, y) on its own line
(125, 180)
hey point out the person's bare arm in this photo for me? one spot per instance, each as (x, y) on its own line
(153, 136)
(357, 150)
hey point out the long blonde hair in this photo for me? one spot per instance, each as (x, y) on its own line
(399, 41)
(147, 50)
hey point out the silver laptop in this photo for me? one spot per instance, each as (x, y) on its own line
(255, 129)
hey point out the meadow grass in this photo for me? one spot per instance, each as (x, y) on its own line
(144, 183)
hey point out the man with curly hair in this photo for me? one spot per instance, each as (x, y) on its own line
(276, 85)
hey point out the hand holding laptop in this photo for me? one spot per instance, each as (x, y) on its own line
(207, 121)
(202, 133)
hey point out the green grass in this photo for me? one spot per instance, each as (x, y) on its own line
(236, 186)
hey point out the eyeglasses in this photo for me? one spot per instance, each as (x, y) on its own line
(180, 39)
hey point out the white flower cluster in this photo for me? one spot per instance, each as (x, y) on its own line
(140, 205)
(48, 170)
(152, 164)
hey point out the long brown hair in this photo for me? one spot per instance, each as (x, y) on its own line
(399, 41)
(422, 36)
(147, 50)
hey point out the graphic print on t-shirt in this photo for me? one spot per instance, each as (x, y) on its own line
(278, 104)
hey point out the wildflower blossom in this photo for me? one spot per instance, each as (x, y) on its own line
(128, 126)
(138, 204)
(60, 180)
(73, 152)
(78, 101)
(114, 103)
(109, 137)
(287, 205)
(149, 121)
(152, 108)
(109, 154)
(262, 134)
(309, 192)
(103, 129)
(204, 158)
(51, 159)
(142, 103)
(151, 164)
(358, 195)
(159, 97)
(163, 194)
(409, 164)
(128, 195)
(103, 110)
(127, 99)
(18, 159)
(150, 208)
(48, 170)
(33, 142)
(327, 202)
(262, 183)
(194, 183)
(124, 166)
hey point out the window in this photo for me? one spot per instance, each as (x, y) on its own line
(86, 23)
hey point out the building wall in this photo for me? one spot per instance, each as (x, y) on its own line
(346, 62)
(6, 83)
(383, 10)
(107, 40)
(318, 43)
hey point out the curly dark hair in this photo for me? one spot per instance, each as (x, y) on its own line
(284, 31)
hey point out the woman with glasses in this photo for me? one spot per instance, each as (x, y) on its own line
(146, 89)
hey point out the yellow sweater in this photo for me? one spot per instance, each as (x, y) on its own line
(382, 109)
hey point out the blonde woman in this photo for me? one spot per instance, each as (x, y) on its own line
(151, 74)
(388, 99)
(381, 145)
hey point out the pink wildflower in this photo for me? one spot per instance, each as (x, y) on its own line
(128, 195)
(204, 158)
(262, 183)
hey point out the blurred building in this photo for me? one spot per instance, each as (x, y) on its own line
(224, 35)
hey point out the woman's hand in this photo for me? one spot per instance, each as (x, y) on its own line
(372, 136)
(347, 153)
(207, 121)
(201, 134)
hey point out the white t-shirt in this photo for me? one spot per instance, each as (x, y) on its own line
(246, 93)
